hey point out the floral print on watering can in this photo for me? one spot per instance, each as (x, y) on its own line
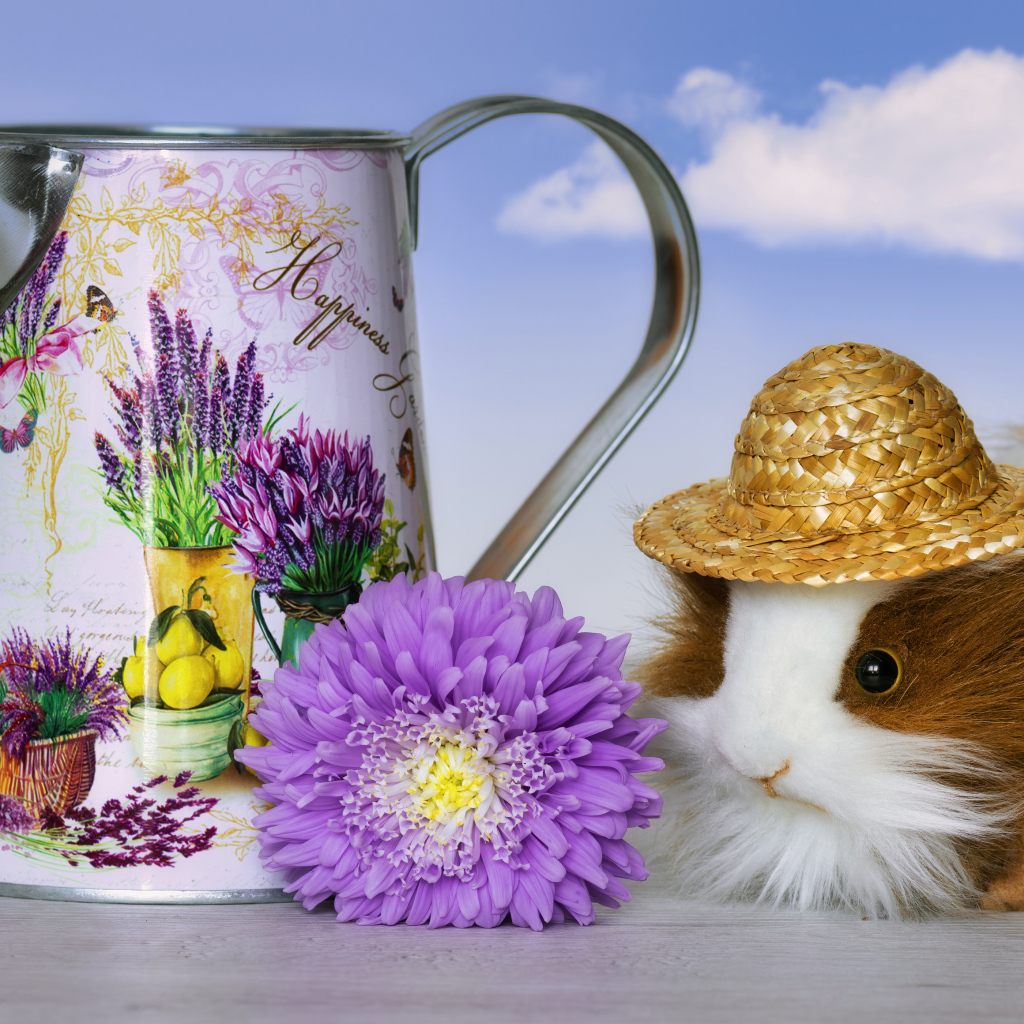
(211, 441)
(155, 358)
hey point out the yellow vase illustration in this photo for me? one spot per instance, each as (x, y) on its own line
(194, 666)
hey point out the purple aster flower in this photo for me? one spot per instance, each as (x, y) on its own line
(14, 816)
(454, 754)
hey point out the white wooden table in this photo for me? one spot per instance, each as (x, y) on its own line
(656, 959)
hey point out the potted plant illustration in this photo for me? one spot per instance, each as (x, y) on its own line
(181, 424)
(306, 509)
(56, 700)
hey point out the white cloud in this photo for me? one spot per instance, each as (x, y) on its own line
(594, 196)
(705, 98)
(934, 160)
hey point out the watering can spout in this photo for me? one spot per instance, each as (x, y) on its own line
(36, 183)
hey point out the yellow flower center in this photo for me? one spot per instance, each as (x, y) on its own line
(447, 782)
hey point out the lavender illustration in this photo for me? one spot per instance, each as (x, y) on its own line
(134, 831)
(30, 318)
(51, 689)
(33, 346)
(179, 426)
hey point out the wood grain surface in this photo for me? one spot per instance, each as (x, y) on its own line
(657, 959)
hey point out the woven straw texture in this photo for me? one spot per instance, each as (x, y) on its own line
(853, 463)
(53, 774)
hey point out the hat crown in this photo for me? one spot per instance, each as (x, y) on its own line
(852, 437)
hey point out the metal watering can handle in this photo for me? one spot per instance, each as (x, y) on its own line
(673, 315)
(36, 183)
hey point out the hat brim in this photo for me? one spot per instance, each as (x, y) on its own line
(686, 532)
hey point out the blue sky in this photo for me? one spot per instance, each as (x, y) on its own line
(887, 208)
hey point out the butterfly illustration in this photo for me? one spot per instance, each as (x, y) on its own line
(407, 460)
(399, 303)
(22, 435)
(98, 305)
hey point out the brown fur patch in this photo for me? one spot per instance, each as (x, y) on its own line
(1007, 891)
(689, 660)
(960, 634)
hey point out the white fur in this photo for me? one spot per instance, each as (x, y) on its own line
(860, 818)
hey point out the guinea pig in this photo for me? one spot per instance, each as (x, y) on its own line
(842, 665)
(859, 744)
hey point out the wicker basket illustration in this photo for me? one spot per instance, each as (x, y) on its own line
(55, 774)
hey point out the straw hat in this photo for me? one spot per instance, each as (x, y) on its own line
(852, 464)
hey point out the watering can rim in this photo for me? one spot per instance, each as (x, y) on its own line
(171, 136)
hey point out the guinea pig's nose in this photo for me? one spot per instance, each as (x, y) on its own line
(767, 780)
(761, 770)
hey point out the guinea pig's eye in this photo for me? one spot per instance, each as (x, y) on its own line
(879, 671)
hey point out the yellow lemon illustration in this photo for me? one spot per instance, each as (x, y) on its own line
(252, 738)
(228, 665)
(180, 641)
(134, 677)
(140, 647)
(186, 682)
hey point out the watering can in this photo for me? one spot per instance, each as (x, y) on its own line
(209, 393)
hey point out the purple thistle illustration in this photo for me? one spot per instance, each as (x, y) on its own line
(307, 510)
(174, 428)
(51, 688)
(454, 754)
